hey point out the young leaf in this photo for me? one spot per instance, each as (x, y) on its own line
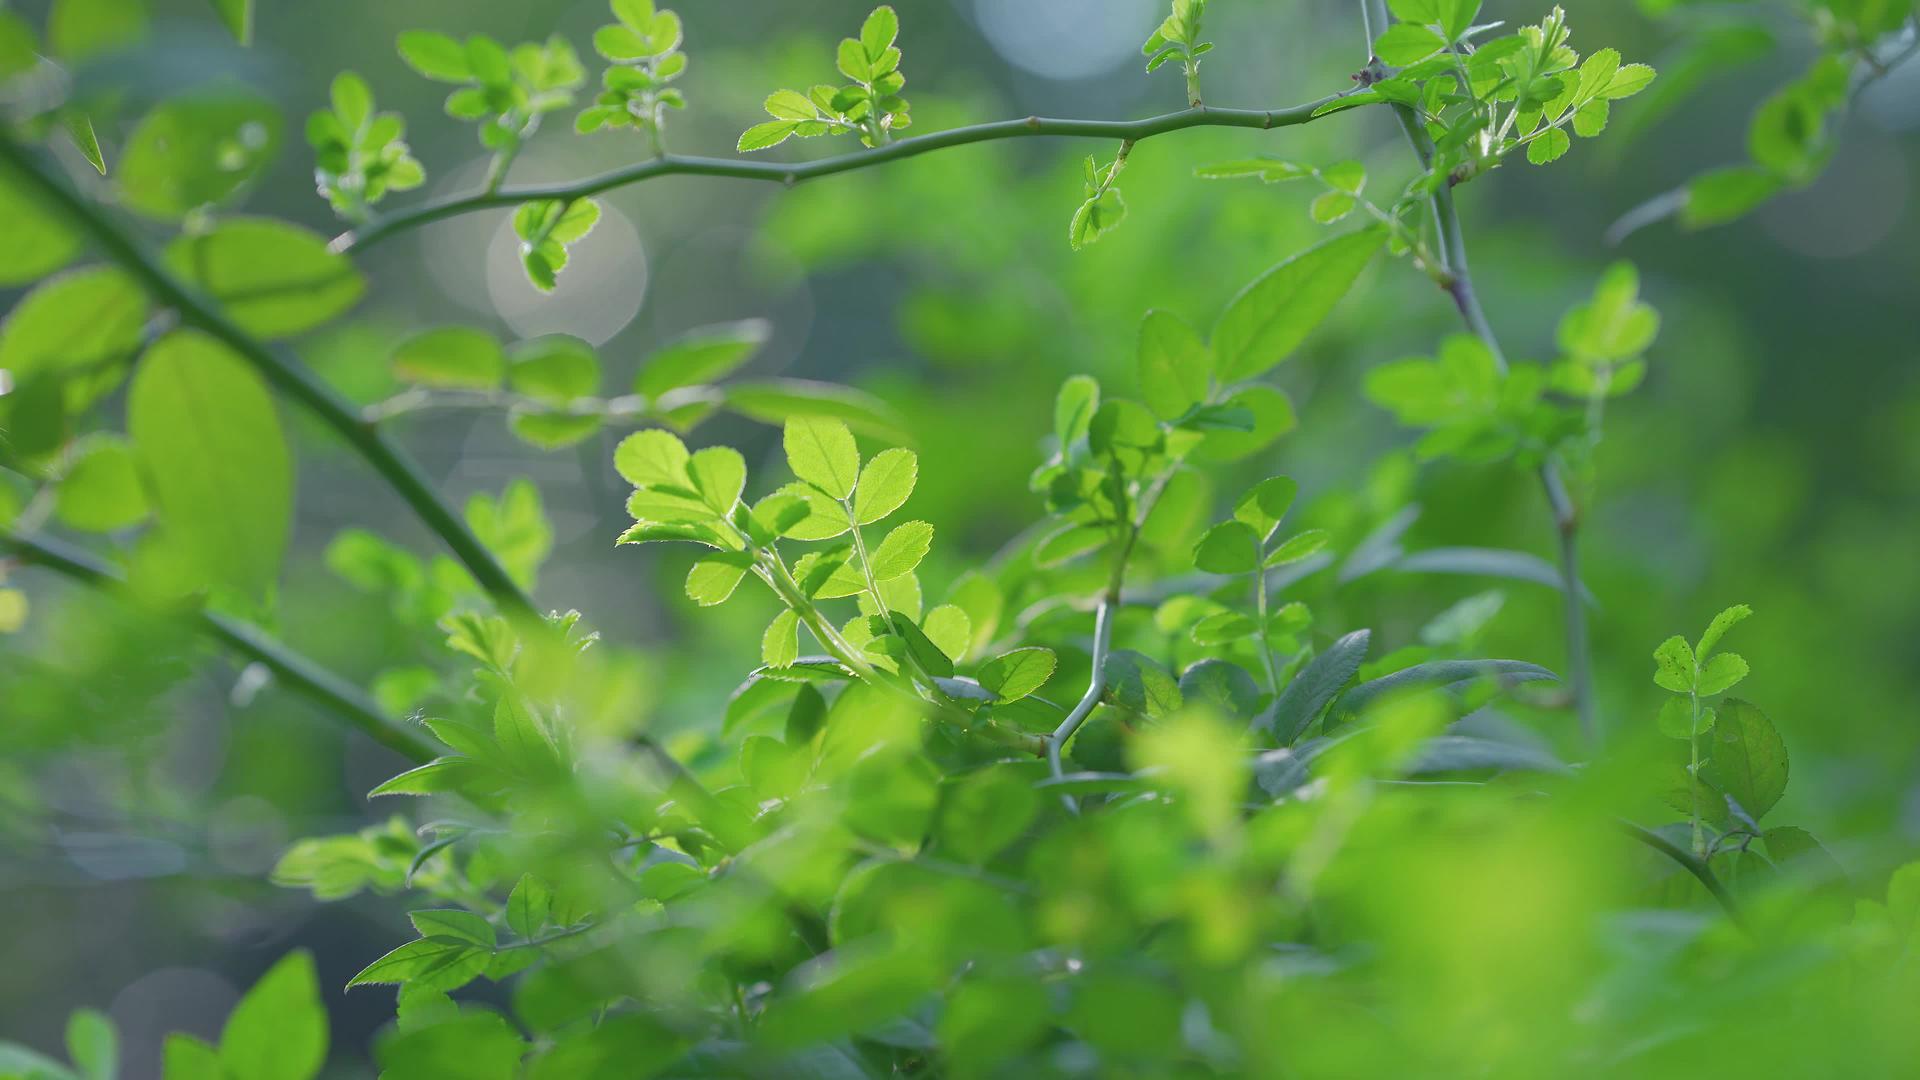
(452, 356)
(1721, 672)
(1231, 547)
(1298, 547)
(273, 279)
(1012, 676)
(1175, 366)
(444, 964)
(207, 429)
(1269, 319)
(453, 923)
(714, 578)
(279, 1029)
(527, 906)
(1674, 665)
(652, 458)
(1716, 630)
(902, 550)
(885, 483)
(701, 356)
(821, 452)
(102, 490)
(1265, 504)
(780, 645)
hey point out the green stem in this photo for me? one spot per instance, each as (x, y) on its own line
(298, 672)
(1266, 647)
(1692, 864)
(1566, 518)
(1693, 767)
(283, 372)
(793, 173)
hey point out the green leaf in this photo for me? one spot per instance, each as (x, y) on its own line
(528, 746)
(1139, 685)
(94, 1045)
(1073, 409)
(1443, 673)
(1265, 504)
(1095, 217)
(1628, 81)
(436, 56)
(102, 490)
(238, 17)
(1224, 687)
(949, 629)
(1673, 665)
(1676, 719)
(714, 578)
(184, 1057)
(273, 279)
(195, 152)
(1406, 43)
(852, 61)
(453, 923)
(1548, 146)
(1014, 675)
(1747, 758)
(701, 356)
(902, 550)
(885, 484)
(1722, 195)
(220, 471)
(766, 134)
(719, 474)
(1273, 416)
(1298, 547)
(80, 133)
(527, 906)
(440, 774)
(80, 29)
(1307, 694)
(780, 645)
(1269, 319)
(89, 319)
(1231, 547)
(985, 812)
(444, 964)
(557, 369)
(1716, 630)
(279, 1029)
(824, 519)
(1721, 672)
(39, 239)
(451, 356)
(773, 401)
(652, 458)
(1332, 206)
(879, 31)
(1175, 366)
(821, 452)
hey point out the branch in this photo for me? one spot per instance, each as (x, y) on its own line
(357, 240)
(1691, 863)
(311, 680)
(282, 371)
(1459, 285)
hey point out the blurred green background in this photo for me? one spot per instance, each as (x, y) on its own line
(1772, 457)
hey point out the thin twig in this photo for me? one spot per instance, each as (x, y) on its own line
(284, 372)
(295, 670)
(792, 173)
